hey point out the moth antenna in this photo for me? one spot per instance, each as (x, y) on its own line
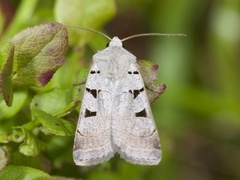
(151, 34)
(91, 30)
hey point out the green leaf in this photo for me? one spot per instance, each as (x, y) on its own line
(40, 162)
(149, 74)
(12, 172)
(57, 102)
(17, 135)
(51, 101)
(31, 145)
(6, 73)
(23, 173)
(39, 52)
(55, 125)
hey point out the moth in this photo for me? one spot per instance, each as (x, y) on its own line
(115, 115)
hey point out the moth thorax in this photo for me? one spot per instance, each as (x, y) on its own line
(115, 42)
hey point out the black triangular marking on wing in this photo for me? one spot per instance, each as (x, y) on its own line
(92, 91)
(89, 113)
(137, 92)
(142, 113)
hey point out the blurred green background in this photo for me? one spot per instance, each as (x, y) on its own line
(198, 117)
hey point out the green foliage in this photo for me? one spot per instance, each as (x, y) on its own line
(31, 57)
(21, 172)
(43, 69)
(55, 125)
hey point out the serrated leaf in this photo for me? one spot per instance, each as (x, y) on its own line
(23, 173)
(149, 74)
(39, 52)
(6, 73)
(55, 125)
(31, 145)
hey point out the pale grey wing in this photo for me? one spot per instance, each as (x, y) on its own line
(134, 131)
(92, 144)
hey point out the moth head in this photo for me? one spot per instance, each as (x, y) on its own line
(115, 42)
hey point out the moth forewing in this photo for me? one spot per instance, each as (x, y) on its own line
(134, 132)
(92, 144)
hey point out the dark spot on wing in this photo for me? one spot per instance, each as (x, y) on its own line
(141, 113)
(92, 91)
(141, 90)
(134, 72)
(90, 113)
(135, 93)
(93, 72)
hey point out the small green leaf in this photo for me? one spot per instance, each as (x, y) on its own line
(6, 73)
(17, 135)
(149, 74)
(31, 145)
(55, 125)
(57, 102)
(23, 173)
(51, 101)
